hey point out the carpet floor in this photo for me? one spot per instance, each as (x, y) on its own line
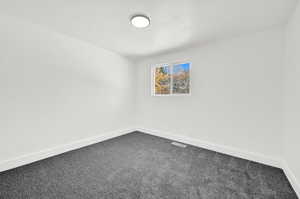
(141, 166)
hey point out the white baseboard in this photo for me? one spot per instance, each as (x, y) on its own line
(32, 157)
(271, 161)
(291, 177)
(257, 157)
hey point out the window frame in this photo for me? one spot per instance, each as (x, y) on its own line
(171, 65)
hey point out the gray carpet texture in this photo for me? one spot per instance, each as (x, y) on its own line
(141, 166)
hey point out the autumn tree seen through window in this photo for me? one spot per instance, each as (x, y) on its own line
(171, 79)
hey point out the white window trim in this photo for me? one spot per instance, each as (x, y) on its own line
(171, 64)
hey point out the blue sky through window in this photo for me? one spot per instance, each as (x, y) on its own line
(166, 69)
(181, 67)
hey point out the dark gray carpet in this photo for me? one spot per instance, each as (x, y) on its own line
(141, 166)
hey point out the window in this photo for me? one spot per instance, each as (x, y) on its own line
(171, 79)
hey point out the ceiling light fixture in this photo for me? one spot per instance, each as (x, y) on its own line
(140, 21)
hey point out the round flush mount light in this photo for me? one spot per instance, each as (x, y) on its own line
(140, 21)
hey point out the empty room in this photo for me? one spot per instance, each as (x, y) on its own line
(136, 99)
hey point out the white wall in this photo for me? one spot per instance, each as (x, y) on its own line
(292, 97)
(55, 89)
(236, 94)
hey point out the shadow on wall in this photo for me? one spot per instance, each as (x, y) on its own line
(56, 89)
